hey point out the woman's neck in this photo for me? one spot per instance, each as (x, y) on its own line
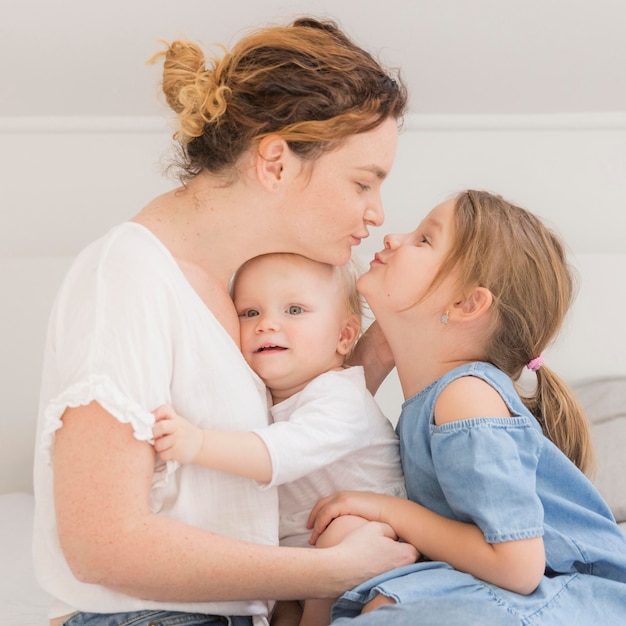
(209, 226)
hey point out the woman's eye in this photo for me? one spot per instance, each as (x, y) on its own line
(363, 187)
(249, 313)
(294, 309)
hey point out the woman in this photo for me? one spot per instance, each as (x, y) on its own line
(285, 143)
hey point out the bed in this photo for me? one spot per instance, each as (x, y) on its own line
(23, 602)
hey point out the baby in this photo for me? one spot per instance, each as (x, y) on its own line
(299, 320)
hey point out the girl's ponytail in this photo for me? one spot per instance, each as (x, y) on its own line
(562, 419)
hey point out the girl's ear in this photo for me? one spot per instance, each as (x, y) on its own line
(270, 162)
(475, 304)
(349, 334)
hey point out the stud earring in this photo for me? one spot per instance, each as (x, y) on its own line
(444, 318)
(275, 186)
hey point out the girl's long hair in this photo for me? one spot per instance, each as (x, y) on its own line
(511, 252)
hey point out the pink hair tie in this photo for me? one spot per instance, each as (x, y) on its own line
(535, 364)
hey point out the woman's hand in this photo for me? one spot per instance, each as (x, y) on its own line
(368, 551)
(360, 503)
(175, 439)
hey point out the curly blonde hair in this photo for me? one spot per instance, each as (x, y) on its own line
(307, 82)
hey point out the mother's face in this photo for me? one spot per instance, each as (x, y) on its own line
(334, 202)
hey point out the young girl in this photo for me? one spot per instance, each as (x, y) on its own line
(299, 320)
(510, 529)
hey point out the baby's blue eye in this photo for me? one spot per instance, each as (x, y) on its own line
(294, 309)
(250, 313)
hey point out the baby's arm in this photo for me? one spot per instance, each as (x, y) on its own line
(240, 453)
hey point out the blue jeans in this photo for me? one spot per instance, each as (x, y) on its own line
(156, 618)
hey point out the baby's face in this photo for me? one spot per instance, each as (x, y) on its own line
(291, 313)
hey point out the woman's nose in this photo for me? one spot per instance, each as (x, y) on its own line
(375, 214)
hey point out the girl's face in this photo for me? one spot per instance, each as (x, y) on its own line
(401, 274)
(337, 199)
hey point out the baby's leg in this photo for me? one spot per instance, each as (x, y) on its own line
(317, 612)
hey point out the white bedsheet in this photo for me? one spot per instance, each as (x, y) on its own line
(22, 601)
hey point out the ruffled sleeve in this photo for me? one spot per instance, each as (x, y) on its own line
(109, 339)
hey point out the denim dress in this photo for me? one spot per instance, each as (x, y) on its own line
(507, 478)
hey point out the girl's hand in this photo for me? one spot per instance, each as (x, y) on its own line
(175, 439)
(360, 503)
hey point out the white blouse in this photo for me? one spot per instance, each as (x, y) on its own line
(128, 331)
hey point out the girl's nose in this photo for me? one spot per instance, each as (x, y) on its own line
(392, 241)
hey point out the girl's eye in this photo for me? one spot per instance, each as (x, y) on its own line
(294, 309)
(249, 313)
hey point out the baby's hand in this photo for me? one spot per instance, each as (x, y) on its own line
(175, 439)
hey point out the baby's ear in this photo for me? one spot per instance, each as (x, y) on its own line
(349, 334)
(475, 304)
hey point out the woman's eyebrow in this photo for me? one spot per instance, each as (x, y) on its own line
(379, 172)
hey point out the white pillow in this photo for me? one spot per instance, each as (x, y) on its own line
(604, 402)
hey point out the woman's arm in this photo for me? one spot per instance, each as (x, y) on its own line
(514, 565)
(240, 453)
(102, 481)
(373, 353)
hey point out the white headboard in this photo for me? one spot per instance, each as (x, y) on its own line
(66, 180)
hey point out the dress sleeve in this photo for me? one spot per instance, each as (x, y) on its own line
(109, 341)
(487, 471)
(328, 422)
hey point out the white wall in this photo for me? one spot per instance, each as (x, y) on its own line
(66, 180)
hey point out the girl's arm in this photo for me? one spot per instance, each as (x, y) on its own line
(102, 482)
(514, 565)
(240, 453)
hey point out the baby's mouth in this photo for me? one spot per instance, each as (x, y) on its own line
(269, 348)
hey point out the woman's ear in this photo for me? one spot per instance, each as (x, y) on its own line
(349, 334)
(270, 162)
(473, 305)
